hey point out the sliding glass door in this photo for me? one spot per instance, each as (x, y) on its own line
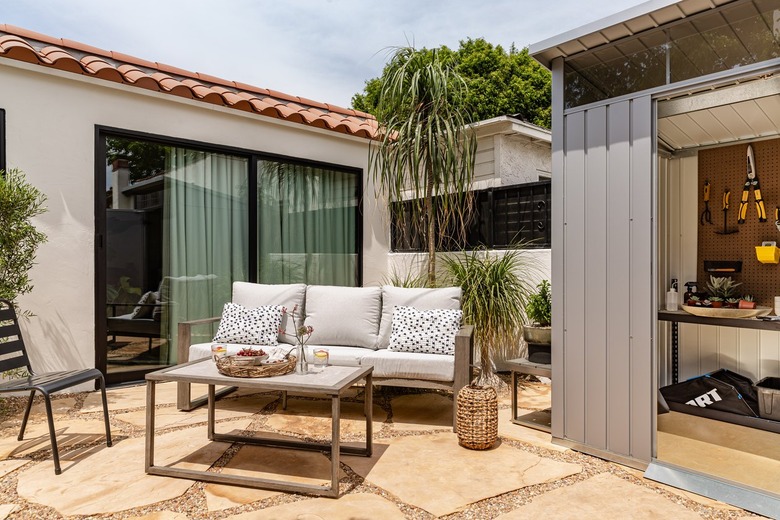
(181, 224)
(176, 220)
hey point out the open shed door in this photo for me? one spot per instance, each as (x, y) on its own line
(603, 272)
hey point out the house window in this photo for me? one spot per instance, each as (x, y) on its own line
(502, 217)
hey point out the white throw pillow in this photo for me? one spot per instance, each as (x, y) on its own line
(344, 316)
(428, 332)
(419, 298)
(287, 295)
(257, 326)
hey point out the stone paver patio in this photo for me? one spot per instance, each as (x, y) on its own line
(418, 471)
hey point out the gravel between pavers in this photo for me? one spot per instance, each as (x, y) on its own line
(193, 502)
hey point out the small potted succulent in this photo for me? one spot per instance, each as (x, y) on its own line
(732, 303)
(694, 301)
(747, 302)
(716, 301)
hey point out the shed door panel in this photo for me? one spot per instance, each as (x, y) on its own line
(607, 274)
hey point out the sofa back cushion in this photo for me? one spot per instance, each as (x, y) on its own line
(419, 298)
(287, 295)
(344, 316)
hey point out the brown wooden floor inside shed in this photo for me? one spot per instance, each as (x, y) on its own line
(729, 451)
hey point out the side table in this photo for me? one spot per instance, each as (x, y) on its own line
(539, 420)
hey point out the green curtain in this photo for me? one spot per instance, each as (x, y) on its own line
(205, 225)
(307, 224)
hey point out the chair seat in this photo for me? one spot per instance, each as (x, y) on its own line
(50, 381)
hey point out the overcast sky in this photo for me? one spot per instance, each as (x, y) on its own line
(320, 49)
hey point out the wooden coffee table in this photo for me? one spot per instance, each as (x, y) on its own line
(332, 381)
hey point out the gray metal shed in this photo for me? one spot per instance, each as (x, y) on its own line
(635, 95)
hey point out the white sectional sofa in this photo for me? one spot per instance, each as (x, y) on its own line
(354, 324)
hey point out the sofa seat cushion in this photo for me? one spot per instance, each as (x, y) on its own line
(338, 355)
(411, 365)
(419, 298)
(258, 294)
(344, 316)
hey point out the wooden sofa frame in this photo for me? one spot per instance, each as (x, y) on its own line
(464, 363)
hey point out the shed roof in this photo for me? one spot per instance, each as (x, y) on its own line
(21, 44)
(643, 17)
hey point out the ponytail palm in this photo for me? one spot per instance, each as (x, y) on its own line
(496, 291)
(425, 154)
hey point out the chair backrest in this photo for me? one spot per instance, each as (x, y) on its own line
(13, 355)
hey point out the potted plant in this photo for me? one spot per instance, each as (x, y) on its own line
(747, 302)
(732, 303)
(539, 314)
(494, 298)
(720, 289)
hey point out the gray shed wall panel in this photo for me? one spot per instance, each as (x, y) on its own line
(607, 200)
(558, 281)
(618, 267)
(642, 277)
(574, 276)
(596, 303)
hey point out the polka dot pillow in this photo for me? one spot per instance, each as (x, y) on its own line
(249, 326)
(427, 332)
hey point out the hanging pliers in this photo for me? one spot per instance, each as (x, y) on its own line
(706, 216)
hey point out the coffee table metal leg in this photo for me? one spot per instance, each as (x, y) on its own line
(368, 410)
(515, 377)
(335, 451)
(149, 458)
(211, 413)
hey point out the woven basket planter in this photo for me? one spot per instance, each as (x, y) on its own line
(477, 417)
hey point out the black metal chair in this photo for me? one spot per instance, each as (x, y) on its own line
(13, 355)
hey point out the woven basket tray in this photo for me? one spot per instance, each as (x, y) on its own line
(227, 368)
(477, 420)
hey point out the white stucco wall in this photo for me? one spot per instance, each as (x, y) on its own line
(521, 160)
(50, 123)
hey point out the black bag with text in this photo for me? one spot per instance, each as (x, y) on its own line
(722, 390)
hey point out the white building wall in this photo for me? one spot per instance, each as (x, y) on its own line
(50, 125)
(521, 160)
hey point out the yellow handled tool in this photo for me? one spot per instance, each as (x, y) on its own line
(726, 231)
(706, 216)
(751, 182)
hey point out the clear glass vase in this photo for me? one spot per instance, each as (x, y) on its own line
(301, 365)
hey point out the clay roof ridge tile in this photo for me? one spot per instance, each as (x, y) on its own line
(32, 35)
(282, 96)
(132, 60)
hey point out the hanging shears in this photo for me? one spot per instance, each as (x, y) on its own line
(751, 182)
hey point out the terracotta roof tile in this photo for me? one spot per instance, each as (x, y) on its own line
(24, 45)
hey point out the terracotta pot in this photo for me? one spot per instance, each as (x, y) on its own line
(717, 305)
(744, 304)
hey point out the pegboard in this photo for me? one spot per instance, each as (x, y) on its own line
(726, 168)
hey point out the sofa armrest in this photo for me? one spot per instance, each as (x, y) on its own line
(464, 358)
(185, 337)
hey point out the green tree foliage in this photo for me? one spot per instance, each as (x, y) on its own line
(499, 82)
(425, 150)
(19, 240)
(145, 159)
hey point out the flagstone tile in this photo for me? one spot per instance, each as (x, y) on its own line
(7, 466)
(458, 475)
(5, 510)
(36, 436)
(170, 416)
(313, 418)
(360, 506)
(107, 480)
(682, 493)
(600, 497)
(161, 515)
(510, 430)
(418, 412)
(59, 407)
(128, 397)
